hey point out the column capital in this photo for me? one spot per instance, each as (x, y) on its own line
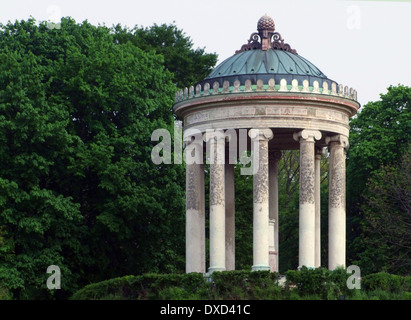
(341, 140)
(192, 135)
(261, 134)
(193, 147)
(307, 135)
(216, 135)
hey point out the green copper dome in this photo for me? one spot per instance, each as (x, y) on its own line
(270, 62)
(266, 56)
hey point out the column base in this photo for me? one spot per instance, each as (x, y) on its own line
(260, 268)
(212, 269)
(308, 267)
(336, 266)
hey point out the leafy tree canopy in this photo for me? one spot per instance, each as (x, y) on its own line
(379, 135)
(78, 188)
(380, 138)
(387, 212)
(187, 65)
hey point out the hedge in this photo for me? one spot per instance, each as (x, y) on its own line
(321, 282)
(387, 282)
(147, 286)
(306, 283)
(234, 285)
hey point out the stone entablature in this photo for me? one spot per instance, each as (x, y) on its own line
(237, 87)
(283, 110)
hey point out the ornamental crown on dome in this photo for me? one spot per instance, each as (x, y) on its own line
(266, 38)
(266, 23)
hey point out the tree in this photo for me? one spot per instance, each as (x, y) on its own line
(387, 210)
(34, 219)
(78, 188)
(380, 136)
(187, 65)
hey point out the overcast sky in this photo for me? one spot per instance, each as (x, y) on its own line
(363, 44)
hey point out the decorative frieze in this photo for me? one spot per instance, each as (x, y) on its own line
(332, 115)
(222, 113)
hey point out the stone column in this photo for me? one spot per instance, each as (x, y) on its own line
(274, 158)
(272, 254)
(260, 198)
(336, 203)
(319, 152)
(229, 217)
(307, 197)
(216, 142)
(195, 209)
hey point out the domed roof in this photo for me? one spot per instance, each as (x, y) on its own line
(266, 64)
(266, 72)
(266, 56)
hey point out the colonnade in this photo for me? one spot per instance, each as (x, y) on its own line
(265, 203)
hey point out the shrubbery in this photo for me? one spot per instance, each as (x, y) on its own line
(147, 286)
(4, 293)
(387, 282)
(234, 285)
(321, 282)
(312, 284)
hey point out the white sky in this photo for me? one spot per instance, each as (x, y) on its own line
(363, 44)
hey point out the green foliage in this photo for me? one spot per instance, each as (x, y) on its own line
(319, 282)
(387, 282)
(387, 212)
(307, 284)
(379, 141)
(187, 65)
(386, 123)
(4, 293)
(243, 220)
(112, 288)
(222, 285)
(78, 188)
(147, 286)
(308, 281)
(234, 285)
